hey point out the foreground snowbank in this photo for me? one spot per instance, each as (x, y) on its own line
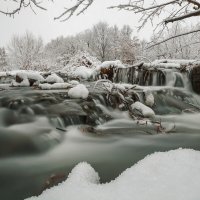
(170, 175)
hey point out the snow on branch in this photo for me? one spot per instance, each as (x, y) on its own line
(137, 9)
(184, 16)
(23, 4)
(172, 37)
(177, 10)
(78, 8)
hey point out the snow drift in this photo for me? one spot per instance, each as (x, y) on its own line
(169, 175)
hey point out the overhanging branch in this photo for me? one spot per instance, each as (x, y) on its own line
(170, 38)
(188, 15)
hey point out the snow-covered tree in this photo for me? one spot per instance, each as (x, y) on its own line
(101, 38)
(128, 45)
(102, 41)
(26, 52)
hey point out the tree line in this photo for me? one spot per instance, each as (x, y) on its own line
(101, 41)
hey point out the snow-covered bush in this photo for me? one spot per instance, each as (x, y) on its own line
(82, 59)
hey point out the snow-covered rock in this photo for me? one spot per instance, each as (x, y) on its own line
(164, 175)
(149, 98)
(144, 110)
(3, 74)
(47, 86)
(54, 78)
(163, 65)
(79, 91)
(34, 75)
(24, 83)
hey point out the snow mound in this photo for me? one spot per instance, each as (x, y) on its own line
(144, 110)
(3, 74)
(83, 173)
(156, 64)
(83, 72)
(115, 64)
(35, 75)
(47, 86)
(164, 175)
(79, 91)
(54, 78)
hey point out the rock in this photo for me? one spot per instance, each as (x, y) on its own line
(195, 79)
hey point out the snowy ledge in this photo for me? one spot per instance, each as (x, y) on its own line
(173, 175)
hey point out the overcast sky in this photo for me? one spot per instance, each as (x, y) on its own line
(44, 25)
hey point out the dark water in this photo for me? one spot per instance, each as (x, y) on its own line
(45, 133)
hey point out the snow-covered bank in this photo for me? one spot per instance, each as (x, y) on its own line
(169, 175)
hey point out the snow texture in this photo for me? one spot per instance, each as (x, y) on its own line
(78, 92)
(115, 64)
(163, 175)
(163, 65)
(83, 72)
(149, 98)
(144, 110)
(35, 75)
(54, 78)
(179, 61)
(47, 86)
(24, 83)
(74, 82)
(3, 74)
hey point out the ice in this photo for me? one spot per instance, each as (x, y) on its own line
(79, 91)
(163, 175)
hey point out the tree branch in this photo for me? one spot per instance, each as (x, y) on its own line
(71, 11)
(138, 9)
(23, 4)
(175, 36)
(188, 15)
(194, 2)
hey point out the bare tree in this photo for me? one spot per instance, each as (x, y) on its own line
(25, 51)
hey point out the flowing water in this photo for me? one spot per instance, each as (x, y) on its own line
(44, 134)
